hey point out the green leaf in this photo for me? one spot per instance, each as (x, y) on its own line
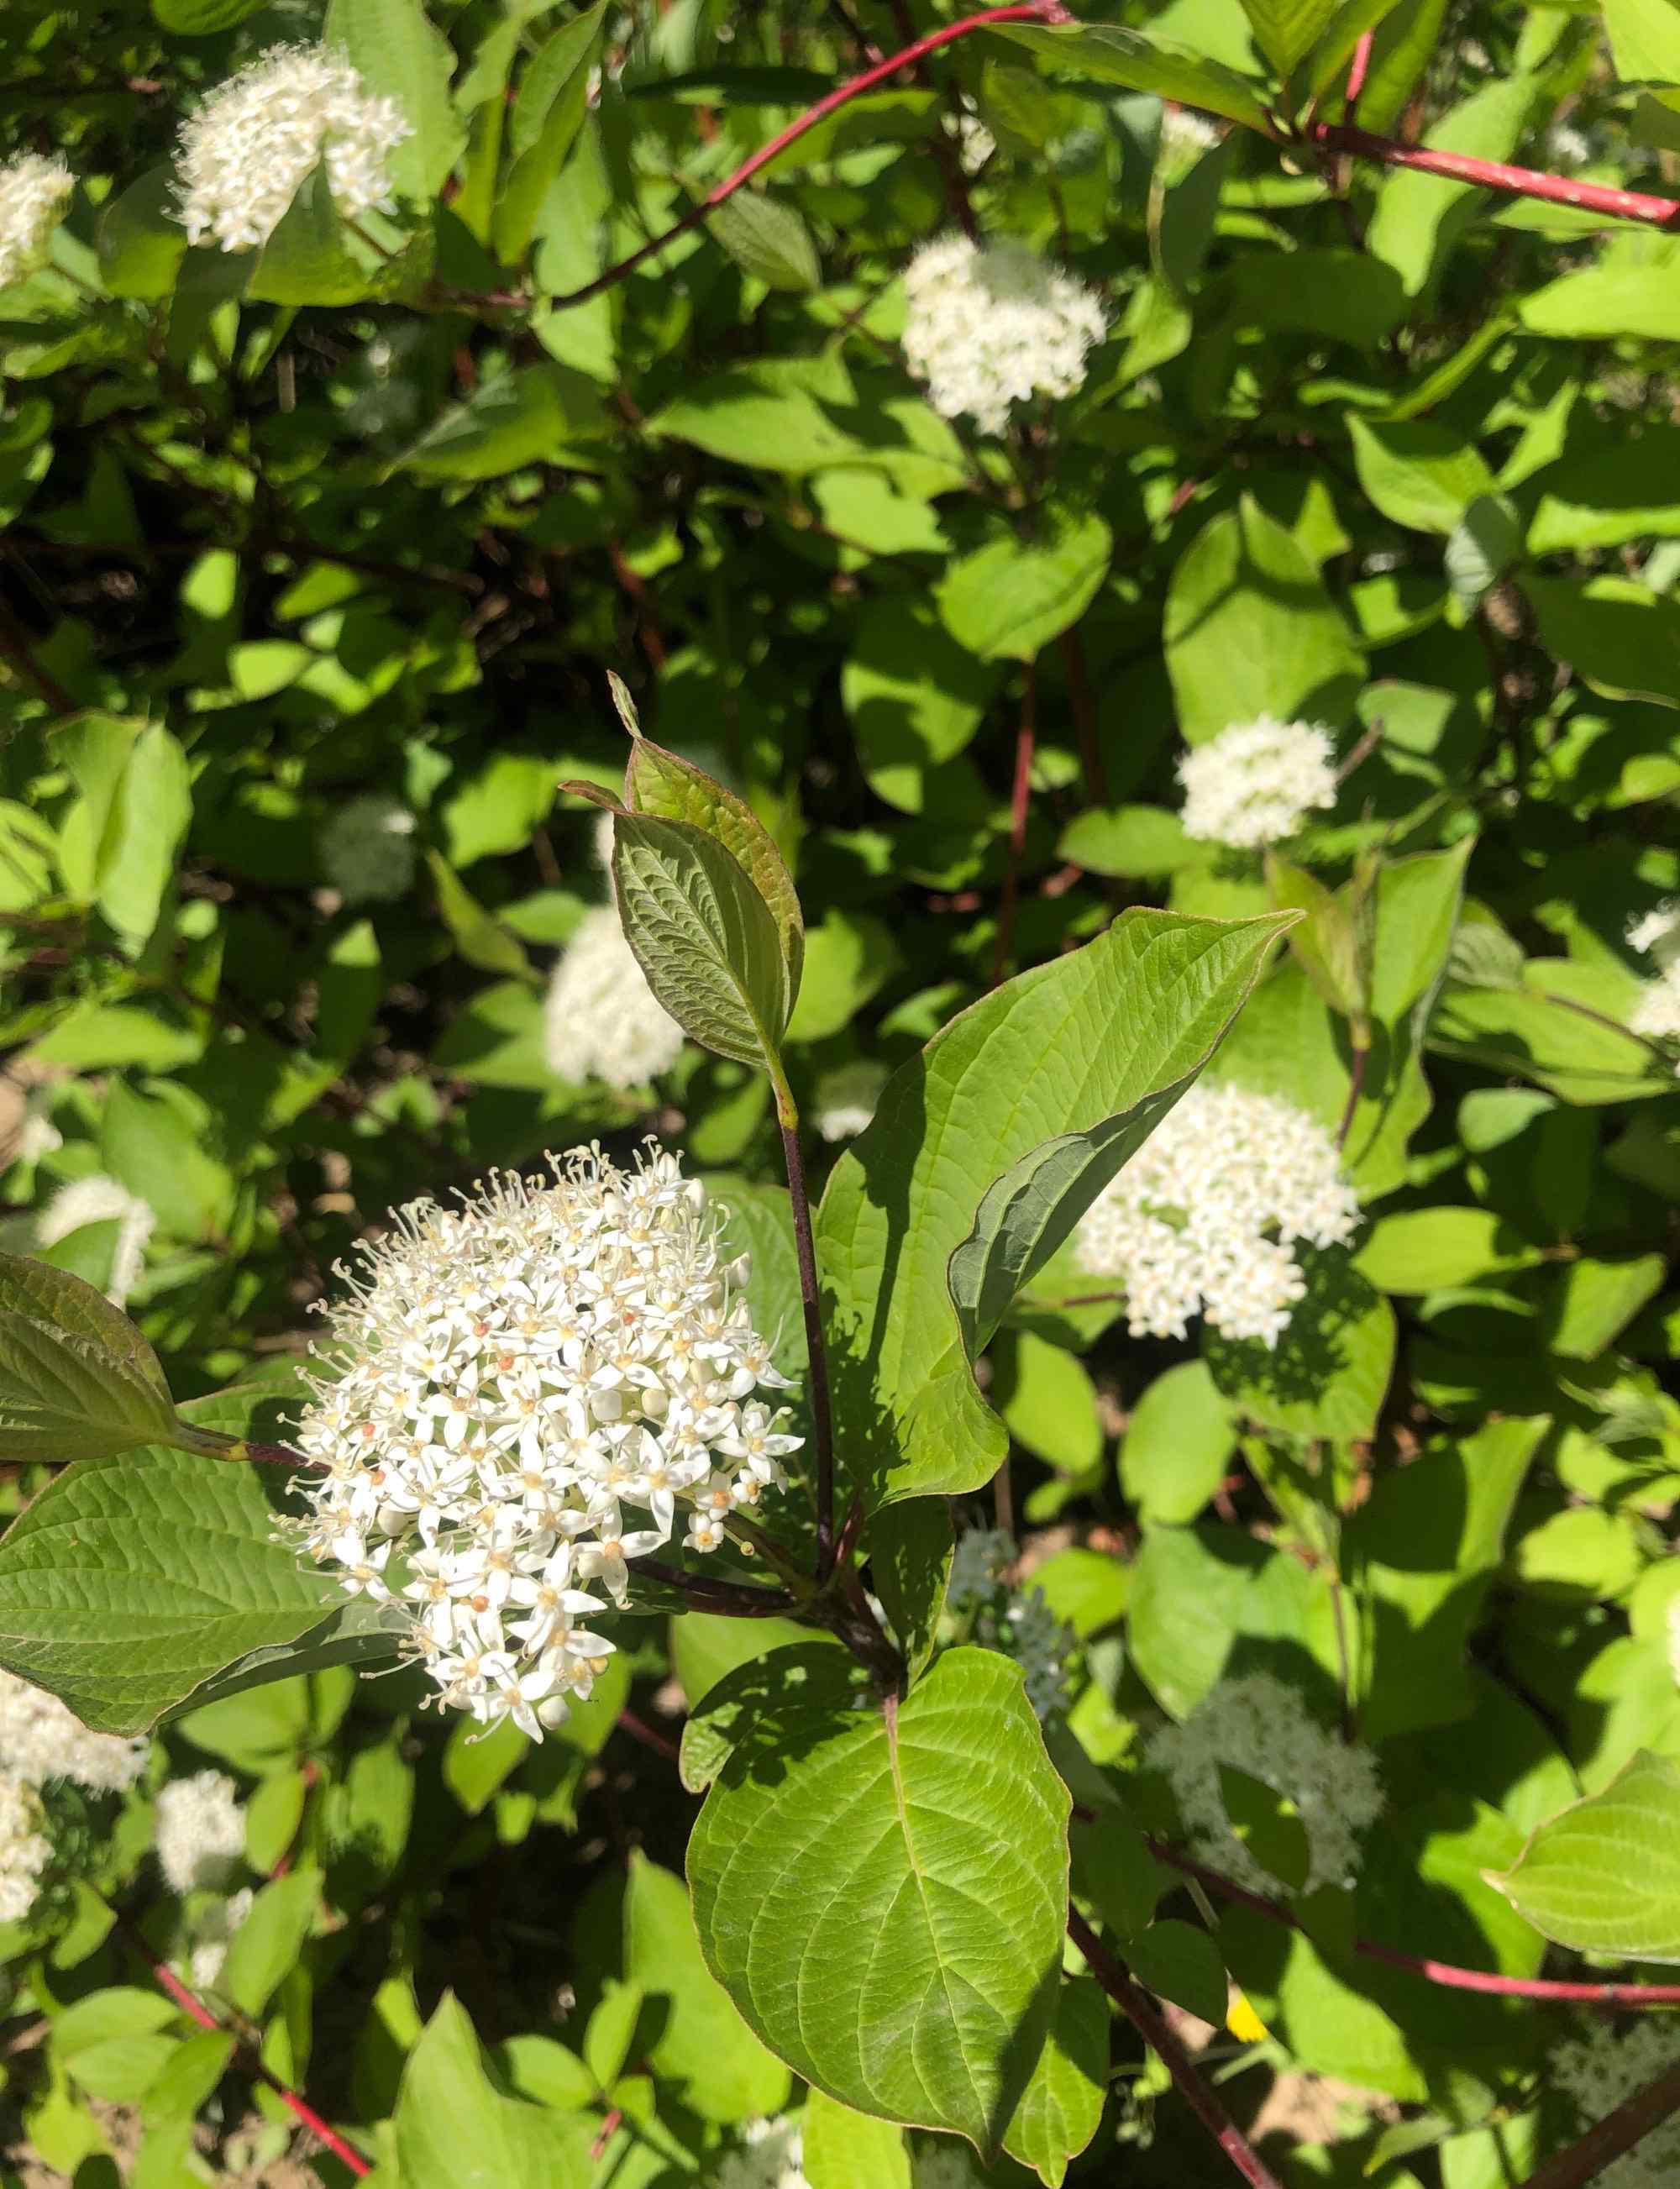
(269, 1941)
(150, 808)
(548, 112)
(1178, 1444)
(479, 936)
(455, 2130)
(1418, 215)
(1609, 496)
(1420, 474)
(1644, 40)
(1116, 1871)
(132, 1580)
(114, 2042)
(535, 414)
(1011, 597)
(200, 19)
(1287, 29)
(141, 240)
(847, 2150)
(1249, 630)
(1631, 290)
(1181, 1964)
(937, 1829)
(849, 957)
(914, 696)
(664, 783)
(1062, 2106)
(402, 54)
(1421, 1250)
(1049, 1403)
(911, 1546)
(704, 2051)
(1329, 1373)
(984, 1152)
(1624, 639)
(1604, 1876)
(77, 1380)
(767, 239)
(1109, 54)
(704, 935)
(308, 260)
(1127, 840)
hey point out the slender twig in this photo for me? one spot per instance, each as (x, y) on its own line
(14, 648)
(649, 1735)
(728, 1599)
(1150, 2027)
(811, 1299)
(1556, 1991)
(1617, 2132)
(192, 2006)
(1497, 175)
(1020, 793)
(1033, 11)
(1361, 1057)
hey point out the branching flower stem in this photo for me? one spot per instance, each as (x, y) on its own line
(1155, 2032)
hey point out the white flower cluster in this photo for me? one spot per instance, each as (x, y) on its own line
(247, 151)
(1260, 1726)
(42, 1739)
(367, 849)
(1256, 783)
(1598, 2070)
(602, 1020)
(33, 195)
(772, 2157)
(513, 1374)
(988, 327)
(1657, 1013)
(846, 1098)
(24, 1852)
(199, 1832)
(101, 1200)
(1204, 1219)
(214, 1934)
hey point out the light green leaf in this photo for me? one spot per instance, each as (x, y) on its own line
(1107, 52)
(1329, 1373)
(479, 936)
(455, 2130)
(914, 696)
(1177, 1445)
(141, 240)
(1062, 2106)
(548, 112)
(848, 957)
(308, 260)
(1420, 1250)
(1012, 597)
(1420, 474)
(269, 1941)
(937, 1829)
(1049, 1403)
(150, 809)
(1286, 30)
(535, 414)
(200, 19)
(982, 1155)
(1127, 840)
(767, 239)
(77, 1380)
(704, 935)
(1604, 1876)
(1626, 491)
(1633, 289)
(1624, 639)
(847, 2150)
(398, 51)
(1249, 630)
(704, 2051)
(1644, 40)
(132, 1579)
(1418, 216)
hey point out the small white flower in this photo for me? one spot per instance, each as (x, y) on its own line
(846, 1098)
(1204, 1219)
(1656, 1014)
(1566, 146)
(771, 2156)
(367, 850)
(975, 142)
(1259, 1726)
(25, 1851)
(42, 1739)
(214, 1934)
(1184, 136)
(1255, 784)
(199, 1832)
(246, 152)
(101, 1200)
(37, 1136)
(1606, 2064)
(1657, 934)
(34, 193)
(602, 1020)
(989, 327)
(514, 1374)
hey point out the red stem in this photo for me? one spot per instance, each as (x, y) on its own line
(1154, 2030)
(1448, 1973)
(1033, 11)
(1497, 175)
(192, 2006)
(1358, 69)
(1026, 739)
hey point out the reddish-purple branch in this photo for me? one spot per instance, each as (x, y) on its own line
(1179, 2065)
(193, 2006)
(1033, 11)
(1605, 2142)
(1558, 1992)
(1495, 175)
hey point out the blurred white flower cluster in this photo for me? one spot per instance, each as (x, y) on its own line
(846, 1098)
(34, 193)
(1257, 1725)
(602, 1020)
(258, 136)
(1256, 783)
(513, 1374)
(42, 1739)
(772, 2157)
(1186, 138)
(367, 849)
(213, 1933)
(987, 327)
(25, 1850)
(102, 1200)
(1205, 1217)
(199, 1832)
(1657, 936)
(1598, 2070)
